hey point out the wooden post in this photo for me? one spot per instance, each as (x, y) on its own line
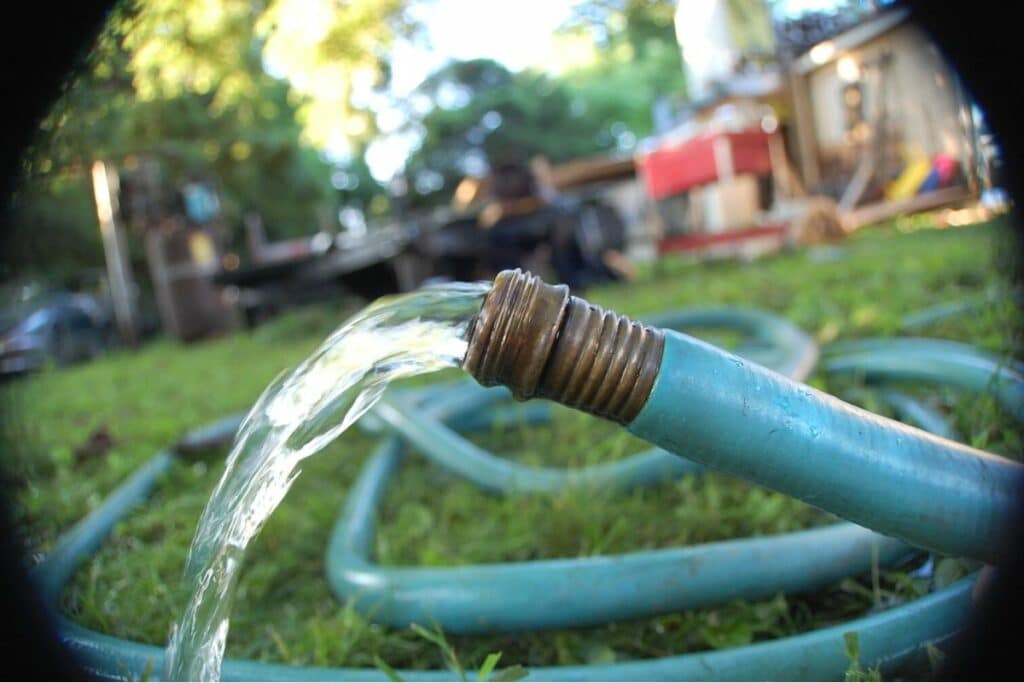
(119, 271)
(721, 147)
(781, 178)
(803, 124)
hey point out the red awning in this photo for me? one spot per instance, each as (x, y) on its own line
(677, 167)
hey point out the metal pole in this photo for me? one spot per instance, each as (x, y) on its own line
(119, 274)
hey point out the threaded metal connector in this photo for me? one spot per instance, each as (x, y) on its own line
(540, 341)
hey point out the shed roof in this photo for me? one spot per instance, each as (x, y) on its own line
(828, 51)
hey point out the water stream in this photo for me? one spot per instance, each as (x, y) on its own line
(299, 414)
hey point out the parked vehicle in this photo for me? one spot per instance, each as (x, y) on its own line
(575, 238)
(39, 326)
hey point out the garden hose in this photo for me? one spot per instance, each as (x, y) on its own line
(716, 408)
(773, 341)
(506, 597)
(890, 640)
(898, 480)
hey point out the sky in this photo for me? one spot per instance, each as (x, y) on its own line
(517, 33)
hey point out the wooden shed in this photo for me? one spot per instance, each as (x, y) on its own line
(874, 102)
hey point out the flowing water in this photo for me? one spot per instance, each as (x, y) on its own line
(297, 415)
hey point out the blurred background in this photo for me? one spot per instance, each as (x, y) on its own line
(214, 163)
(222, 181)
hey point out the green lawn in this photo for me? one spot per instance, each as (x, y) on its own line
(284, 609)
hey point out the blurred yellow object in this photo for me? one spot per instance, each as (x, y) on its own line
(905, 186)
(201, 249)
(496, 210)
(469, 191)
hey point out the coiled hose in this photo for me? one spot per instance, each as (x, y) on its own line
(476, 599)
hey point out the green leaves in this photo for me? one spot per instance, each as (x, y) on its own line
(488, 666)
(386, 668)
(436, 636)
(852, 642)
(184, 82)
(512, 673)
(856, 672)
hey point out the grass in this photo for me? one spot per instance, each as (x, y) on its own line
(284, 609)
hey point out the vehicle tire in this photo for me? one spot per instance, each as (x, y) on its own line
(60, 348)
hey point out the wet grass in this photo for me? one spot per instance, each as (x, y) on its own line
(285, 611)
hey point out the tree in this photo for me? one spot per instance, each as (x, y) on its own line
(184, 81)
(635, 62)
(640, 24)
(603, 103)
(357, 188)
(485, 114)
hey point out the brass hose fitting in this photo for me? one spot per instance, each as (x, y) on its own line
(540, 341)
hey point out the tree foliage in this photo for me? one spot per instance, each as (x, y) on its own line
(641, 24)
(186, 82)
(245, 92)
(484, 113)
(637, 60)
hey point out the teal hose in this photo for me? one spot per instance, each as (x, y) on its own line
(625, 586)
(713, 407)
(950, 309)
(913, 412)
(498, 475)
(771, 340)
(506, 597)
(500, 597)
(892, 640)
(85, 538)
(931, 362)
